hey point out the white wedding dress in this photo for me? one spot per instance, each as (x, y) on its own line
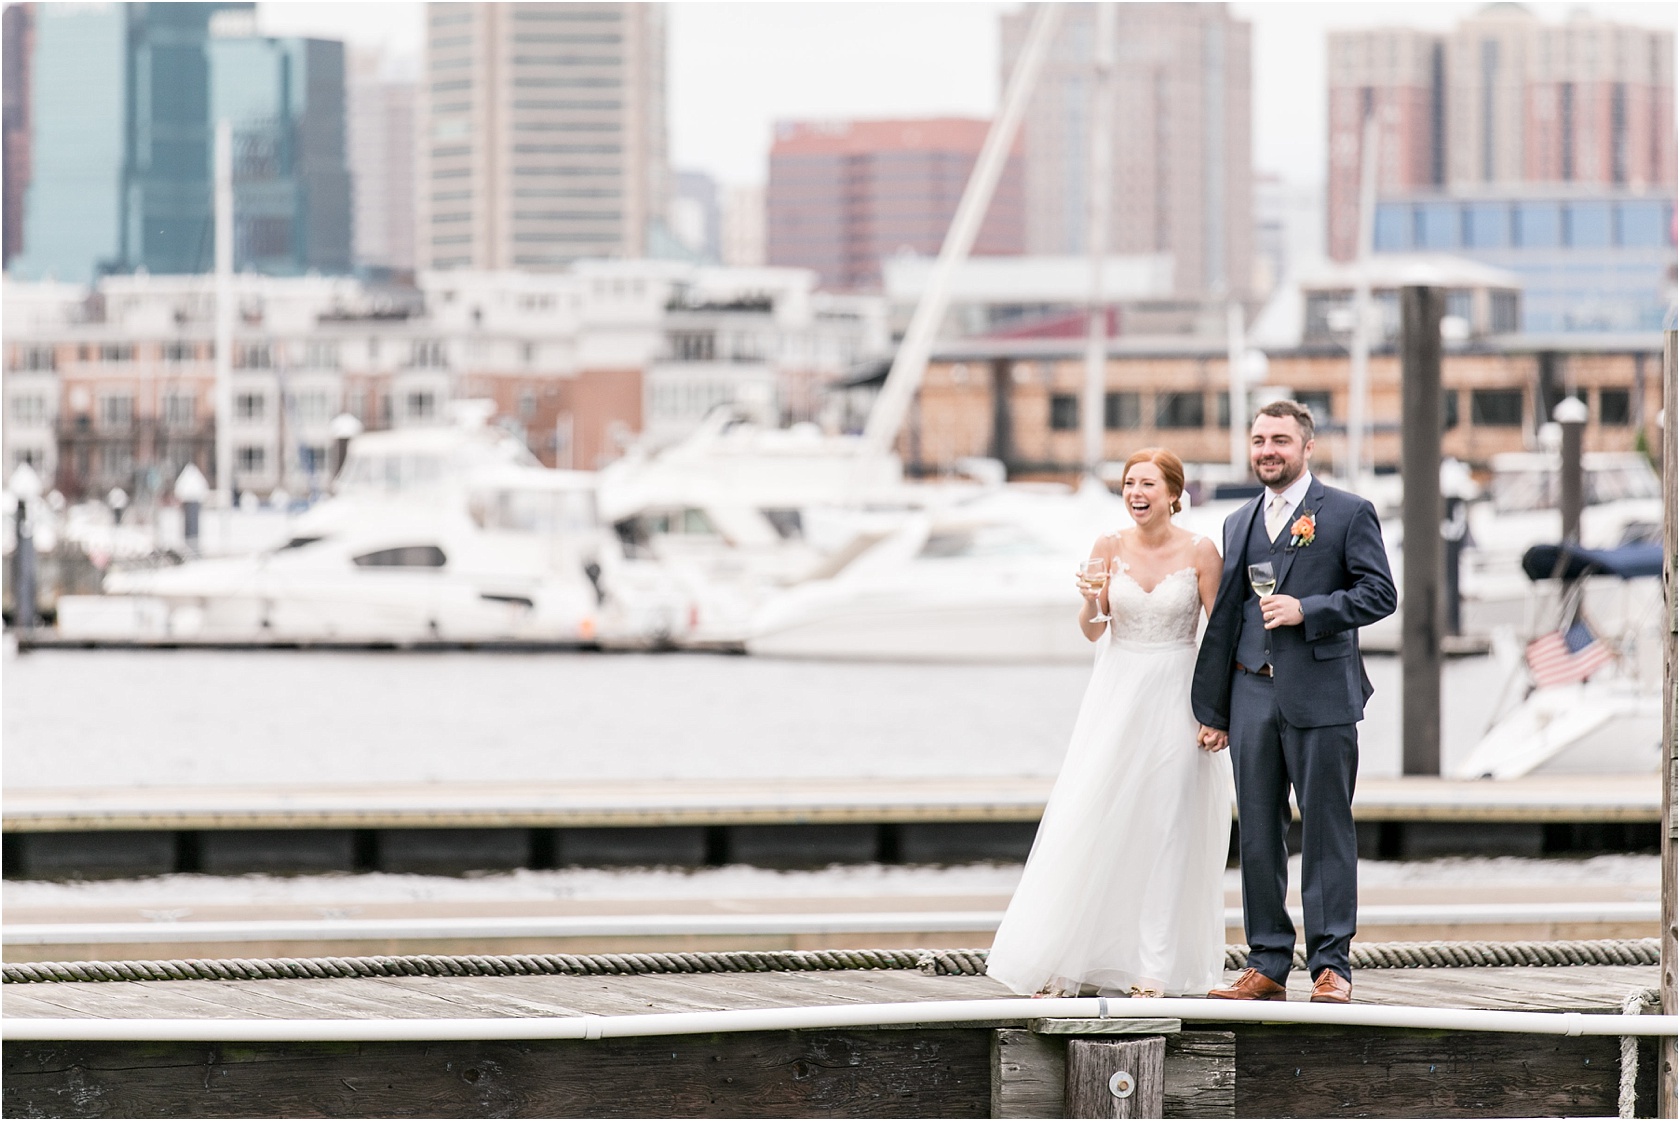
(1124, 884)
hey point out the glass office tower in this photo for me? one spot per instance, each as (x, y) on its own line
(285, 97)
(125, 97)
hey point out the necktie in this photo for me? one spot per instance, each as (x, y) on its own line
(1276, 512)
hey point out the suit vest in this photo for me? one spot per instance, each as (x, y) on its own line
(1254, 641)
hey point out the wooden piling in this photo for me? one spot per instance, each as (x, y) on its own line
(1669, 1092)
(1116, 1077)
(1422, 418)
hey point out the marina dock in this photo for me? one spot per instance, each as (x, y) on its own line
(261, 1046)
(810, 822)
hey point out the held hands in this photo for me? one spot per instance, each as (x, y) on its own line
(1212, 739)
(1281, 611)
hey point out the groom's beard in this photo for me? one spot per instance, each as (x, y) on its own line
(1280, 474)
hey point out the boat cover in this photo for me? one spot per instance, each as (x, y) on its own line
(1541, 562)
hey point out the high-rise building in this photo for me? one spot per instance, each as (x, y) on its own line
(1502, 103)
(113, 190)
(17, 35)
(1397, 75)
(543, 134)
(123, 100)
(285, 101)
(379, 128)
(843, 195)
(1182, 144)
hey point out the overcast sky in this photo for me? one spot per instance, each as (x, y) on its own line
(737, 68)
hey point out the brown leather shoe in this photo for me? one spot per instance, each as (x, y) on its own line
(1251, 984)
(1332, 988)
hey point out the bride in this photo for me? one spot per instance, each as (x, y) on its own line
(1122, 892)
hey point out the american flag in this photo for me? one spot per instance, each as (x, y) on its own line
(1565, 656)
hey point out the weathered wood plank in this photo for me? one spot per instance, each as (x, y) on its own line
(778, 1074)
(1369, 1072)
(1029, 1073)
(1116, 1078)
(1201, 1074)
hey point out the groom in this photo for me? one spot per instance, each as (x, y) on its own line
(1280, 681)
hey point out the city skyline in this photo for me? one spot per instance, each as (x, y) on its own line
(728, 83)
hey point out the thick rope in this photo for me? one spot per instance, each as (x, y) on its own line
(1377, 955)
(1627, 1090)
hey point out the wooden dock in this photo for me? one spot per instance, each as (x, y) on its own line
(131, 831)
(1013, 1069)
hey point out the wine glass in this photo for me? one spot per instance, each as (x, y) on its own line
(1094, 572)
(1262, 578)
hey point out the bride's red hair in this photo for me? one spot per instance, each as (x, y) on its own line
(1172, 470)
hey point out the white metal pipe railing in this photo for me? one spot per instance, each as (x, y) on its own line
(1616, 912)
(820, 1017)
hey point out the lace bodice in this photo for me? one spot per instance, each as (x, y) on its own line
(1165, 613)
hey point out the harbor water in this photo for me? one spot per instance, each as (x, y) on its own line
(173, 718)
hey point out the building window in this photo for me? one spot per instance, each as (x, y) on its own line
(1122, 410)
(1587, 225)
(249, 406)
(312, 458)
(1180, 410)
(1487, 225)
(1641, 224)
(1503, 312)
(528, 353)
(28, 409)
(116, 462)
(1538, 225)
(693, 346)
(176, 353)
(1449, 409)
(253, 356)
(116, 411)
(1496, 408)
(1391, 230)
(313, 407)
(116, 352)
(1064, 412)
(527, 404)
(320, 356)
(1316, 402)
(422, 405)
(1459, 305)
(180, 411)
(1615, 408)
(428, 354)
(251, 458)
(34, 358)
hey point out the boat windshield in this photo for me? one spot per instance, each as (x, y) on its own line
(390, 472)
(565, 512)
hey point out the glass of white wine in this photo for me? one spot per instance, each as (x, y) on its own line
(1262, 578)
(1094, 571)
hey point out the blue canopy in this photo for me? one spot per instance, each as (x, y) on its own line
(1570, 562)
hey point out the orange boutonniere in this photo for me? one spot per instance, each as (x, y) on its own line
(1301, 533)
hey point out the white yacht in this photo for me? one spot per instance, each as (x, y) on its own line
(1622, 502)
(451, 534)
(1608, 723)
(990, 579)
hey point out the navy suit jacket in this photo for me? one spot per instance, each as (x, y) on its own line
(1343, 582)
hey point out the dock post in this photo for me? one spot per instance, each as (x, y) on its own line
(1116, 1077)
(1571, 416)
(1421, 421)
(1668, 1096)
